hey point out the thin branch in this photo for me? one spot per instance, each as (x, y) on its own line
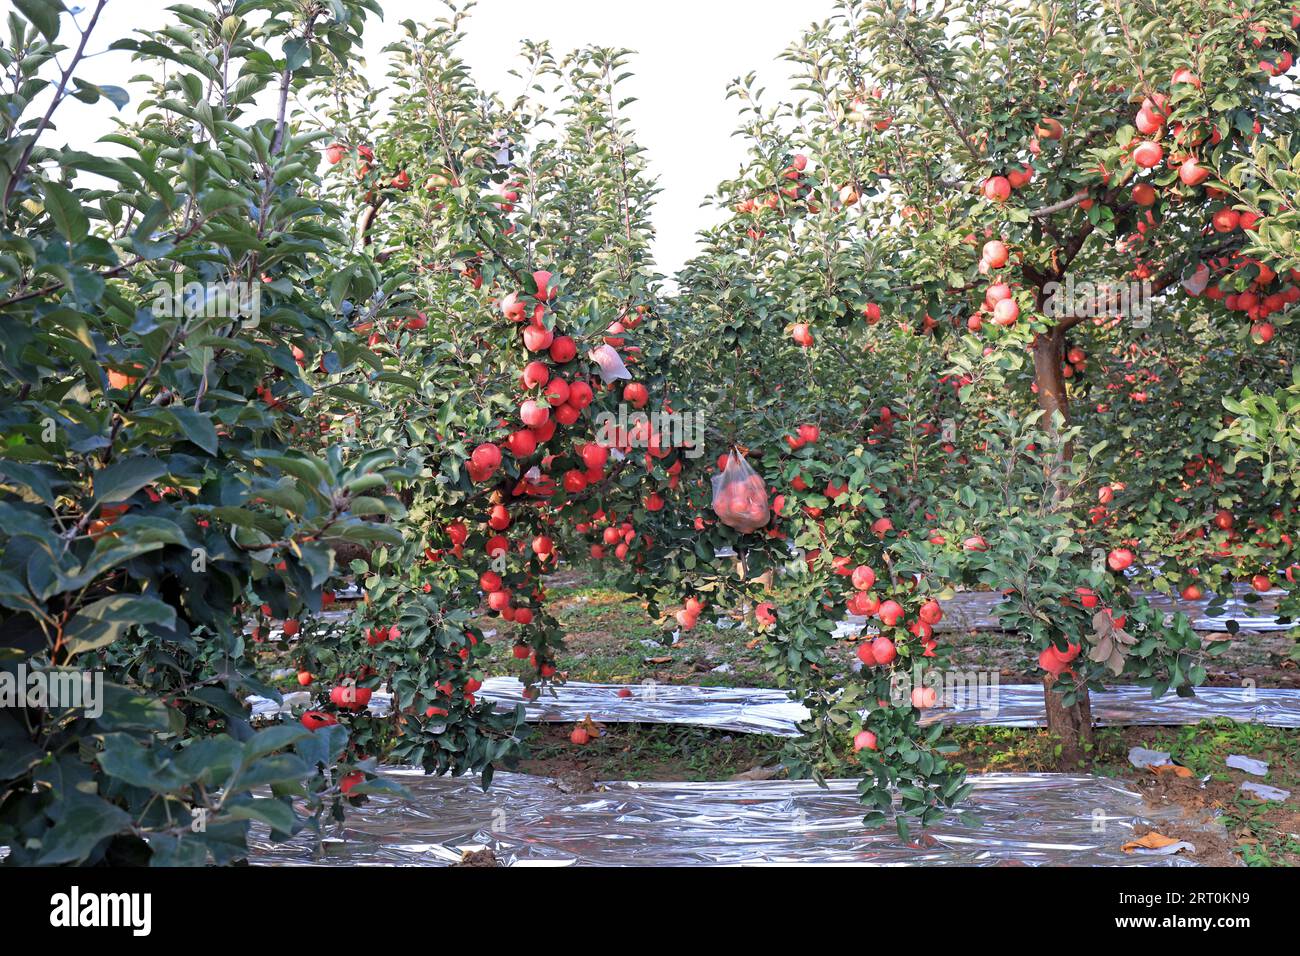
(106, 274)
(1059, 206)
(285, 78)
(59, 94)
(942, 100)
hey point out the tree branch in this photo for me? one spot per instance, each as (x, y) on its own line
(60, 92)
(1059, 206)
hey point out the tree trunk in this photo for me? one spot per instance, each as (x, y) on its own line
(1072, 725)
(1049, 354)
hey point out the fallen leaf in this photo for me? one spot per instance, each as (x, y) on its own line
(1149, 841)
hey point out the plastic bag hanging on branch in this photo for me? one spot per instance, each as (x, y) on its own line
(739, 495)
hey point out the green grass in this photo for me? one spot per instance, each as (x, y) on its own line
(653, 752)
(1266, 831)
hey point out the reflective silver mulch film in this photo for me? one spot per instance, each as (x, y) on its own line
(751, 710)
(1026, 819)
(975, 611)
(761, 710)
(767, 711)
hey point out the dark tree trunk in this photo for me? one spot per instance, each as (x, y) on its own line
(1072, 725)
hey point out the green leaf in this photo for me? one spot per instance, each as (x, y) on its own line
(196, 426)
(86, 821)
(121, 480)
(275, 814)
(43, 14)
(107, 619)
(67, 212)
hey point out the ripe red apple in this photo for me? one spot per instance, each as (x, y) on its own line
(1119, 559)
(487, 456)
(536, 374)
(996, 253)
(1148, 154)
(522, 443)
(316, 719)
(543, 280)
(863, 577)
(995, 293)
(556, 392)
(498, 518)
(534, 414)
(1050, 660)
(996, 189)
(864, 740)
(931, 613)
(350, 697)
(1192, 173)
(538, 338)
(580, 394)
(924, 697)
(883, 650)
(1226, 220)
(1148, 123)
(802, 335)
(1019, 177)
(563, 349)
(1049, 128)
(574, 481)
(512, 308)
(636, 393)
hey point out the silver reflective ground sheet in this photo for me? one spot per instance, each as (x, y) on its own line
(975, 611)
(1027, 819)
(766, 711)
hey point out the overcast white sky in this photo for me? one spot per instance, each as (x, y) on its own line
(687, 51)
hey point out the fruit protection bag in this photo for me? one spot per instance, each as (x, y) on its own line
(739, 495)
